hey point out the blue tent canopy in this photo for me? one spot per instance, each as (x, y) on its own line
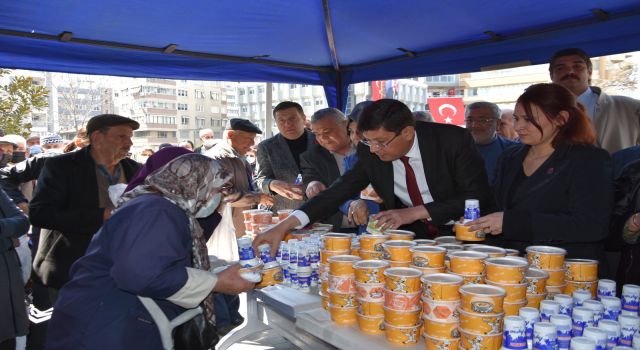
(330, 43)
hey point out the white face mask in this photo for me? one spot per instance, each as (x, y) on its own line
(251, 159)
(208, 143)
(210, 207)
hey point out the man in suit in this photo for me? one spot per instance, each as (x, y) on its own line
(278, 157)
(323, 163)
(422, 171)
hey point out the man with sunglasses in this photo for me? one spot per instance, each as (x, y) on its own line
(422, 171)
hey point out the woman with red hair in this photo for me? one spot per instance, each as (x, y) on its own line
(554, 188)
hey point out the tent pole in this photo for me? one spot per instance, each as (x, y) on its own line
(268, 110)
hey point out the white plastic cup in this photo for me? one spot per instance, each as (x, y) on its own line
(636, 341)
(582, 318)
(598, 336)
(545, 336)
(597, 308)
(245, 251)
(612, 307)
(566, 303)
(580, 296)
(548, 308)
(629, 325)
(582, 343)
(612, 328)
(531, 316)
(514, 335)
(563, 325)
(606, 288)
(631, 298)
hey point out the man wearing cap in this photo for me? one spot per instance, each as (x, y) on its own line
(33, 140)
(71, 199)
(6, 150)
(206, 136)
(616, 119)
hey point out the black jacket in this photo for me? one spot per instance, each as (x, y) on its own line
(627, 203)
(66, 206)
(12, 176)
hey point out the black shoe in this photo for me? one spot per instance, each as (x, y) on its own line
(224, 330)
(237, 321)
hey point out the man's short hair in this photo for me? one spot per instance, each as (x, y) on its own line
(484, 104)
(392, 115)
(328, 112)
(570, 52)
(287, 105)
(423, 116)
(204, 132)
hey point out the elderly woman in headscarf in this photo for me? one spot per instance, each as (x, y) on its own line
(154, 247)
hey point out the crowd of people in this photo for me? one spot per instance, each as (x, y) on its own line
(559, 169)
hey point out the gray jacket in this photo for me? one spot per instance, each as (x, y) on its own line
(617, 121)
(275, 162)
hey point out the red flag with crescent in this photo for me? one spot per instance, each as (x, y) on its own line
(447, 110)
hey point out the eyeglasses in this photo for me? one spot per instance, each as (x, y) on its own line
(379, 145)
(479, 121)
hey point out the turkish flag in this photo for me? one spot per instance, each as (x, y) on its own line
(447, 110)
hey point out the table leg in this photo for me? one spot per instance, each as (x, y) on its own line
(253, 323)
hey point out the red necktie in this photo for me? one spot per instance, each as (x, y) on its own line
(414, 194)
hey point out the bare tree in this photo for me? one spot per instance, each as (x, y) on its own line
(79, 98)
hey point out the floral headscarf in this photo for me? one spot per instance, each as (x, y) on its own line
(190, 182)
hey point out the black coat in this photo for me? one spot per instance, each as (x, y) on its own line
(566, 202)
(66, 206)
(454, 172)
(627, 203)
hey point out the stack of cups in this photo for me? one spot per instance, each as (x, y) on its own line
(551, 260)
(612, 328)
(428, 259)
(397, 252)
(548, 308)
(469, 265)
(582, 318)
(630, 299)
(370, 289)
(440, 301)
(629, 325)
(271, 272)
(342, 289)
(402, 291)
(509, 273)
(332, 244)
(400, 235)
(597, 335)
(537, 282)
(260, 218)
(304, 270)
(581, 274)
(606, 288)
(514, 336)
(598, 310)
(248, 224)
(248, 261)
(471, 212)
(481, 316)
(371, 246)
(545, 336)
(612, 308)
(531, 316)
(564, 326)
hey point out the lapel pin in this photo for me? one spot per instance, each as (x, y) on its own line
(550, 171)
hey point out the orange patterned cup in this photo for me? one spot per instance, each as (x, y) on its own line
(515, 292)
(581, 270)
(372, 242)
(270, 277)
(326, 254)
(512, 252)
(546, 257)
(493, 252)
(370, 271)
(513, 308)
(397, 250)
(246, 214)
(448, 330)
(401, 301)
(426, 271)
(423, 242)
(442, 287)
(434, 343)
(401, 317)
(469, 340)
(403, 335)
(262, 217)
(486, 324)
(470, 279)
(536, 280)
(464, 234)
(325, 301)
(553, 290)
(428, 256)
(343, 315)
(342, 284)
(403, 280)
(506, 270)
(533, 300)
(400, 235)
(572, 286)
(556, 277)
(438, 310)
(467, 262)
(370, 324)
(370, 291)
(342, 300)
(482, 298)
(370, 255)
(337, 241)
(342, 265)
(369, 308)
(398, 263)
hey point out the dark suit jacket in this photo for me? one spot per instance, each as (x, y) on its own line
(565, 203)
(318, 164)
(453, 167)
(66, 206)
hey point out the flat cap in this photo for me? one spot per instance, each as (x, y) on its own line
(243, 125)
(6, 141)
(105, 120)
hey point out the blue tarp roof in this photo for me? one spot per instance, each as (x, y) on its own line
(325, 42)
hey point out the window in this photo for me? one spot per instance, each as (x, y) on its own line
(304, 85)
(214, 96)
(260, 89)
(241, 92)
(162, 134)
(200, 123)
(243, 109)
(183, 107)
(252, 91)
(199, 108)
(141, 133)
(318, 102)
(306, 103)
(292, 86)
(182, 93)
(184, 120)
(199, 94)
(215, 109)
